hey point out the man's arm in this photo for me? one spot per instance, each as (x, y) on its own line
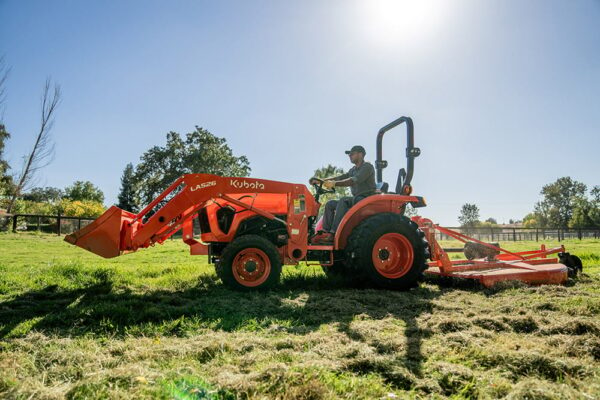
(362, 175)
(335, 178)
(339, 177)
(345, 182)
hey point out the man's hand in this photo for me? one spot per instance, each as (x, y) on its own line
(329, 184)
(314, 181)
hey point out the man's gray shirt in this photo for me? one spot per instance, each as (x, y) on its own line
(363, 177)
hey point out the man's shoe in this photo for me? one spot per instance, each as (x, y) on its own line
(322, 238)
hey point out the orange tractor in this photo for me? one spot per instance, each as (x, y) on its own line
(250, 227)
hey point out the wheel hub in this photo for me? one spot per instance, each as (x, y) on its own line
(250, 266)
(384, 254)
(393, 255)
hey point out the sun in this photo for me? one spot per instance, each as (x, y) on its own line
(393, 22)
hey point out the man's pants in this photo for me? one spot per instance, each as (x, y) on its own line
(335, 211)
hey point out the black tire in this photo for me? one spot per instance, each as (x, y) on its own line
(572, 262)
(361, 243)
(240, 249)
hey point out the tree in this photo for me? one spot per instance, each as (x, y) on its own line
(492, 221)
(199, 152)
(43, 149)
(586, 212)
(534, 220)
(127, 196)
(581, 214)
(6, 182)
(82, 191)
(4, 70)
(5, 179)
(329, 171)
(594, 213)
(560, 199)
(44, 195)
(469, 216)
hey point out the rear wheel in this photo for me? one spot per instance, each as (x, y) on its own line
(390, 249)
(250, 262)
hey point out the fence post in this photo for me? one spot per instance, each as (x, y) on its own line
(14, 224)
(579, 233)
(58, 224)
(492, 230)
(514, 235)
(537, 234)
(79, 224)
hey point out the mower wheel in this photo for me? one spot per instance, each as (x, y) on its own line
(390, 249)
(249, 262)
(572, 262)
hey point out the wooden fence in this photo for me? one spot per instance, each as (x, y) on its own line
(61, 224)
(503, 234)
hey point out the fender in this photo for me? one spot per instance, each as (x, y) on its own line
(375, 204)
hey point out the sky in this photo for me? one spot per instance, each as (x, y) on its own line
(504, 95)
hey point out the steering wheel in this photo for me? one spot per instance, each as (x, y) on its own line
(319, 187)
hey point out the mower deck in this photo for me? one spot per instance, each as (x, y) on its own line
(532, 267)
(489, 273)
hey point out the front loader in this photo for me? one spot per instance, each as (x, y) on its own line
(250, 227)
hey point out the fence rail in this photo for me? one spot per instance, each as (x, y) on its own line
(59, 224)
(65, 225)
(498, 234)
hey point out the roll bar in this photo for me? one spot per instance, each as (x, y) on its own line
(404, 176)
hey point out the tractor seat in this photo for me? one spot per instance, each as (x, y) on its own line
(381, 187)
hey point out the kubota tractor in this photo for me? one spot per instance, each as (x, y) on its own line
(250, 227)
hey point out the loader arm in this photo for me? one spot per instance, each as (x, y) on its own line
(118, 231)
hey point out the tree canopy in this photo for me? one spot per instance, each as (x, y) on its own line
(199, 152)
(469, 216)
(559, 201)
(127, 198)
(331, 171)
(5, 179)
(565, 204)
(84, 190)
(44, 194)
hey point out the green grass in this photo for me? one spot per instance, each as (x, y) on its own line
(159, 324)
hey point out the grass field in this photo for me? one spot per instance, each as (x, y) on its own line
(159, 324)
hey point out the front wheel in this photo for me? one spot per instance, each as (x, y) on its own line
(390, 249)
(249, 262)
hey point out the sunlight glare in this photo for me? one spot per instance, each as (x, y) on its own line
(393, 22)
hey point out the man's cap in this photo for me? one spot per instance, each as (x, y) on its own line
(357, 149)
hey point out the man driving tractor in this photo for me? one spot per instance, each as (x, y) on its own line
(360, 178)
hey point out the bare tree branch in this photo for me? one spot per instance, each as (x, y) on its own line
(4, 70)
(42, 152)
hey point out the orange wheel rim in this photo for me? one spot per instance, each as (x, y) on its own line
(251, 267)
(393, 255)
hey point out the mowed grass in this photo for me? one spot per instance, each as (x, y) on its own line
(159, 324)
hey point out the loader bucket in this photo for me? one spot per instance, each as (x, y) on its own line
(103, 236)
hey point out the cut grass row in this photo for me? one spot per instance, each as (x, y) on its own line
(158, 323)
